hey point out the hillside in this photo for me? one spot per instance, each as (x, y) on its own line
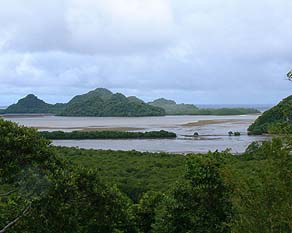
(100, 102)
(103, 103)
(172, 108)
(276, 120)
(29, 104)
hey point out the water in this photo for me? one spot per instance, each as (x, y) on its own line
(260, 107)
(213, 131)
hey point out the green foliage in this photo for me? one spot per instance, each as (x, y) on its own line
(41, 191)
(135, 99)
(251, 191)
(280, 128)
(145, 211)
(262, 180)
(106, 135)
(22, 149)
(79, 202)
(29, 104)
(237, 134)
(172, 108)
(103, 103)
(98, 103)
(134, 172)
(201, 203)
(227, 111)
(278, 116)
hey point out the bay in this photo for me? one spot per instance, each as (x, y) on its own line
(212, 130)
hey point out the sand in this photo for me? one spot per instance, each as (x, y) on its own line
(211, 122)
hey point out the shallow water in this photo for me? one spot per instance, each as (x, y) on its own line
(213, 133)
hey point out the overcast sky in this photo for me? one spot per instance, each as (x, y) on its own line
(193, 51)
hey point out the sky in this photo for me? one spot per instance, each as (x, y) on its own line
(192, 51)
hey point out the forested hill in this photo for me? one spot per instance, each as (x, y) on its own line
(103, 103)
(277, 120)
(100, 102)
(29, 104)
(172, 108)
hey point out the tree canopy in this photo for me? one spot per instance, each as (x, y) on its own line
(46, 189)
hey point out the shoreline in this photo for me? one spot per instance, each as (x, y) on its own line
(28, 115)
(212, 122)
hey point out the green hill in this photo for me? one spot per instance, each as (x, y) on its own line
(172, 108)
(100, 102)
(135, 99)
(104, 103)
(29, 104)
(276, 120)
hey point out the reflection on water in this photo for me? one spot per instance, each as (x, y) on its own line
(213, 131)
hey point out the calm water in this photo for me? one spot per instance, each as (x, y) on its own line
(213, 132)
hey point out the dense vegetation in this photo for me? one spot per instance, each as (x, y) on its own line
(100, 103)
(61, 135)
(227, 111)
(29, 104)
(33, 105)
(103, 103)
(134, 172)
(50, 189)
(172, 108)
(277, 120)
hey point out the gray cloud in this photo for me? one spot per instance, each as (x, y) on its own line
(192, 51)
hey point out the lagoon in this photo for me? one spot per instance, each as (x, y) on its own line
(212, 130)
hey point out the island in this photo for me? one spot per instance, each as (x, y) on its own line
(81, 135)
(172, 108)
(98, 103)
(102, 102)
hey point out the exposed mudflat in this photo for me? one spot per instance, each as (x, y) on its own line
(212, 130)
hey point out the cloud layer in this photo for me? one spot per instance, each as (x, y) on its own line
(192, 51)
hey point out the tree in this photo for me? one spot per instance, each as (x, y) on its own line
(39, 192)
(262, 181)
(202, 203)
(145, 211)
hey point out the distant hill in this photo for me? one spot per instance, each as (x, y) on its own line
(172, 108)
(100, 102)
(29, 104)
(276, 120)
(103, 103)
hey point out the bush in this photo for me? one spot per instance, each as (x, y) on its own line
(60, 135)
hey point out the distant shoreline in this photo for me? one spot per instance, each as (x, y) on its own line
(25, 115)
